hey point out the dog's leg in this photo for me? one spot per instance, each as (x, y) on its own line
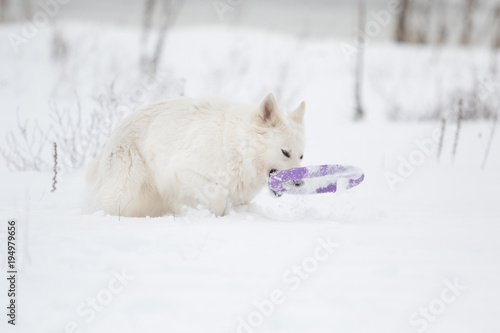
(199, 190)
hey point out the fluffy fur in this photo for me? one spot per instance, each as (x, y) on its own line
(192, 152)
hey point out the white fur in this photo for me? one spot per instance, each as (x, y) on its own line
(187, 152)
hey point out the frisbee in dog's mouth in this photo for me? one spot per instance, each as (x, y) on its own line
(277, 194)
(296, 183)
(315, 179)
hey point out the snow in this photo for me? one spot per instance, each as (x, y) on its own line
(400, 246)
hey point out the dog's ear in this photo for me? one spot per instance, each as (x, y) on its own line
(298, 114)
(268, 112)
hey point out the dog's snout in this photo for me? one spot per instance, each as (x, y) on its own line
(272, 171)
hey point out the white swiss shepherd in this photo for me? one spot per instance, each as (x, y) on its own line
(189, 152)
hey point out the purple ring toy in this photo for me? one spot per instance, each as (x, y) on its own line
(314, 179)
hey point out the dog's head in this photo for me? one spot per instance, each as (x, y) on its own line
(281, 138)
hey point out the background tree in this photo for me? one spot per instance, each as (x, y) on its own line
(168, 13)
(358, 86)
(402, 22)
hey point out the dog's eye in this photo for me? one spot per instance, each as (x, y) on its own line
(287, 154)
(301, 156)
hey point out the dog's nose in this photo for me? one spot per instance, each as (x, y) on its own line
(272, 171)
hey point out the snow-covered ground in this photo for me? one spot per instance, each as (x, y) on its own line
(410, 254)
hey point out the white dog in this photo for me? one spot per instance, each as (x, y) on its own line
(190, 152)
